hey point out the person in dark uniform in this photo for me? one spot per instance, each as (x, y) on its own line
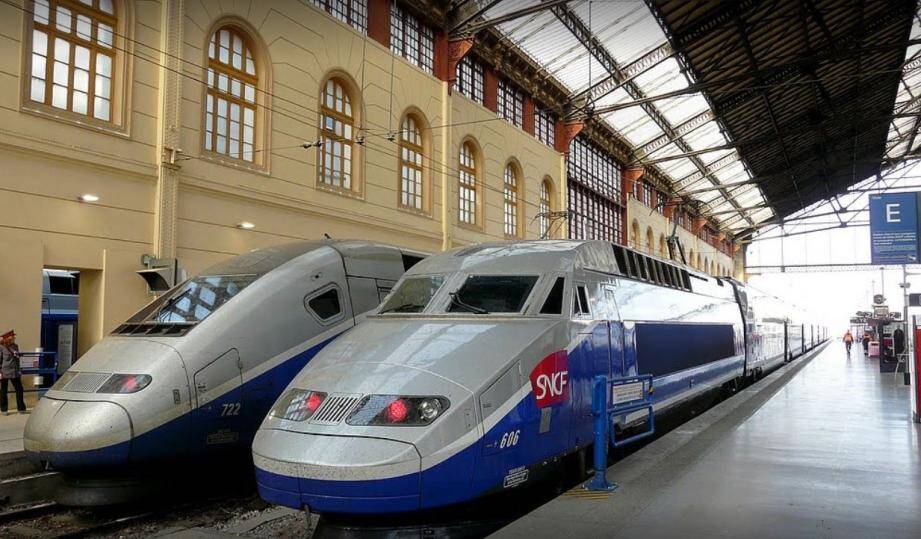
(866, 343)
(898, 341)
(10, 371)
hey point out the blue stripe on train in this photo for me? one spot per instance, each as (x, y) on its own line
(173, 437)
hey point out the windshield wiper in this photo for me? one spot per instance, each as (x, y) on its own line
(469, 308)
(402, 308)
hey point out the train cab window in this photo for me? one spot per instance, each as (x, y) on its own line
(411, 260)
(484, 294)
(641, 264)
(621, 259)
(554, 302)
(413, 294)
(580, 302)
(325, 305)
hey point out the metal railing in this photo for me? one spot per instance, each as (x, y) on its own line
(612, 399)
(46, 364)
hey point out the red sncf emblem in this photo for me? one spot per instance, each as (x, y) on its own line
(550, 379)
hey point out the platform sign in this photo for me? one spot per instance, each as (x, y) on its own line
(894, 228)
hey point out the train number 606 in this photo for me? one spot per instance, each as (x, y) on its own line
(509, 439)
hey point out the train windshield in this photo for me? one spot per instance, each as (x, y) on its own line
(413, 295)
(485, 294)
(198, 298)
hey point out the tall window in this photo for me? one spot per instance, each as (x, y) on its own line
(470, 79)
(594, 192)
(411, 38)
(230, 102)
(510, 104)
(73, 56)
(545, 207)
(650, 238)
(545, 126)
(351, 12)
(411, 167)
(467, 185)
(510, 201)
(336, 136)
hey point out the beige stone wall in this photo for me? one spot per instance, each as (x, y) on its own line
(49, 159)
(698, 252)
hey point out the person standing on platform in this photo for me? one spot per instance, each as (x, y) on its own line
(898, 341)
(10, 371)
(866, 343)
(848, 341)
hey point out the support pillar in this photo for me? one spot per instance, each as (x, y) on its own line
(166, 209)
(449, 53)
(565, 132)
(699, 223)
(379, 21)
(629, 178)
(528, 120)
(491, 89)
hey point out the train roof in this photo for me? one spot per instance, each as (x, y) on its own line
(540, 255)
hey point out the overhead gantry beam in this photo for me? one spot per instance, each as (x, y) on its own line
(597, 49)
(468, 25)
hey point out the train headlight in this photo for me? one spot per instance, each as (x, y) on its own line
(398, 411)
(298, 404)
(125, 383)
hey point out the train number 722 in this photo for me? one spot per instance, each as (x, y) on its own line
(230, 409)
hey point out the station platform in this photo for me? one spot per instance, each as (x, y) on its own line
(823, 447)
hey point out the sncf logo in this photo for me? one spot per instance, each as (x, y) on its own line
(550, 379)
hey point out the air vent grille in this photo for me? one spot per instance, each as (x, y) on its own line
(334, 408)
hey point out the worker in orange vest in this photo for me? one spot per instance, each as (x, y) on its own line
(848, 341)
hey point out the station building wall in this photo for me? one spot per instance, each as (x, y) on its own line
(641, 219)
(161, 192)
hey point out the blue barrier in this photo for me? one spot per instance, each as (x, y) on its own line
(44, 368)
(612, 399)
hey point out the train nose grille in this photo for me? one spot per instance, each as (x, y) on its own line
(86, 382)
(334, 408)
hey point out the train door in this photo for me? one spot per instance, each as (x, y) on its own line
(589, 358)
(218, 398)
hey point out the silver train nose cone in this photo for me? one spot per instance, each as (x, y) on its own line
(78, 433)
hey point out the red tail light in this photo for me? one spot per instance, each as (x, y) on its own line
(397, 411)
(313, 402)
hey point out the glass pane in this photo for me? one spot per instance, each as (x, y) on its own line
(103, 86)
(250, 66)
(104, 35)
(40, 43)
(249, 93)
(493, 293)
(60, 73)
(40, 7)
(326, 305)
(59, 96)
(38, 90)
(84, 27)
(104, 65)
(248, 115)
(106, 5)
(82, 57)
(63, 19)
(61, 50)
(81, 80)
(38, 66)
(101, 108)
(413, 294)
(79, 102)
(235, 87)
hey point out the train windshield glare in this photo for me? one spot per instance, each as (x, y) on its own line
(194, 300)
(484, 294)
(413, 295)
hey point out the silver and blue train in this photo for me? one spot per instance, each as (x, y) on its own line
(476, 371)
(194, 372)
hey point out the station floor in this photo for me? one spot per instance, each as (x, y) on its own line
(824, 448)
(11, 428)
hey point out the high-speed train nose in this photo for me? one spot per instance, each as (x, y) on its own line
(310, 470)
(70, 433)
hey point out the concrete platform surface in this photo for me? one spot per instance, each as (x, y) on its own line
(11, 429)
(832, 453)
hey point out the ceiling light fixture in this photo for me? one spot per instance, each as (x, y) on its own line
(88, 197)
(246, 225)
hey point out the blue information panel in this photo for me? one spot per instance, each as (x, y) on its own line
(894, 228)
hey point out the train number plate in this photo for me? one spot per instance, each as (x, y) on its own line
(628, 392)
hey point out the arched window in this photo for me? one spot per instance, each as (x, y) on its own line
(412, 186)
(690, 261)
(706, 267)
(73, 56)
(467, 185)
(230, 102)
(511, 201)
(635, 234)
(650, 240)
(546, 206)
(663, 247)
(337, 136)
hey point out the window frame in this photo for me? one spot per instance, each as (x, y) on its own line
(545, 126)
(510, 103)
(477, 187)
(120, 69)
(359, 25)
(401, 20)
(513, 202)
(355, 188)
(319, 292)
(423, 169)
(470, 79)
